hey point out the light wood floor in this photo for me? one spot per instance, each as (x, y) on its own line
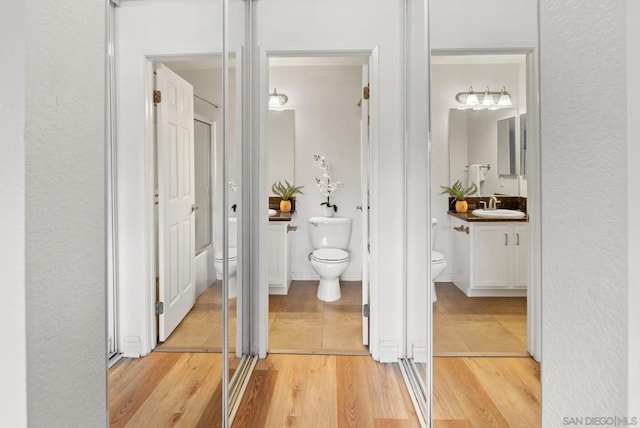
(486, 392)
(298, 322)
(325, 391)
(478, 326)
(301, 323)
(201, 330)
(178, 389)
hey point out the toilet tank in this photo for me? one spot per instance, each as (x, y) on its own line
(233, 232)
(330, 232)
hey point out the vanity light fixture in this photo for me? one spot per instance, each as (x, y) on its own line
(277, 100)
(491, 100)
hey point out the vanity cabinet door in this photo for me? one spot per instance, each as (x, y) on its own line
(461, 254)
(276, 254)
(492, 256)
(520, 256)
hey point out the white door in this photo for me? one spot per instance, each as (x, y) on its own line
(492, 251)
(364, 180)
(176, 199)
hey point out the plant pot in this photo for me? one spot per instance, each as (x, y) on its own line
(462, 206)
(285, 206)
(327, 211)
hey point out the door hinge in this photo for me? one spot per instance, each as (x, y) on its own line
(157, 97)
(365, 310)
(159, 308)
(365, 92)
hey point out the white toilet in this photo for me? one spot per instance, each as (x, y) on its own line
(330, 238)
(233, 257)
(438, 263)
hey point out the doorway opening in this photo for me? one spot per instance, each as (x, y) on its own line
(319, 140)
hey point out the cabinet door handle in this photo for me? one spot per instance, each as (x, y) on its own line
(517, 239)
(506, 239)
(291, 228)
(462, 228)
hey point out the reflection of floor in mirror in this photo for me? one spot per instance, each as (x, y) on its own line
(201, 329)
(478, 326)
(167, 389)
(487, 392)
(301, 323)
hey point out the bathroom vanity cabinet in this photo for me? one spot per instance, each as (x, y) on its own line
(278, 269)
(491, 259)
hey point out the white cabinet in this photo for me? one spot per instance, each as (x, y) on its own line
(278, 264)
(491, 258)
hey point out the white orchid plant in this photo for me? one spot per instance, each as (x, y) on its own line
(326, 185)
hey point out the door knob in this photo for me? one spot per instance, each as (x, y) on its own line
(194, 207)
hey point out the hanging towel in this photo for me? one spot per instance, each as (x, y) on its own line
(483, 173)
(474, 177)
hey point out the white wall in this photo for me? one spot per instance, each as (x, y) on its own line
(304, 26)
(633, 160)
(585, 271)
(446, 81)
(13, 40)
(325, 101)
(461, 25)
(65, 213)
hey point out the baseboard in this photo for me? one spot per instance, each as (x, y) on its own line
(307, 276)
(445, 277)
(389, 352)
(279, 289)
(521, 292)
(131, 347)
(419, 352)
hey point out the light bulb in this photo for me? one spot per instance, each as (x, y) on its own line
(488, 98)
(472, 98)
(505, 98)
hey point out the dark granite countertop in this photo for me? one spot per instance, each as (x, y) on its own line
(470, 217)
(282, 216)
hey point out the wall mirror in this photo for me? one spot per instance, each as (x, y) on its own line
(507, 146)
(485, 138)
(523, 145)
(281, 130)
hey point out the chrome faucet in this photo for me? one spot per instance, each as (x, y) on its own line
(493, 203)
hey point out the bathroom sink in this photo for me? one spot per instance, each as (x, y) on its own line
(499, 213)
(272, 212)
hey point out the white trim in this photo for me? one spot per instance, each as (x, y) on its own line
(260, 194)
(389, 351)
(419, 352)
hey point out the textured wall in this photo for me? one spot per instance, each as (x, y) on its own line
(13, 387)
(633, 161)
(584, 273)
(65, 244)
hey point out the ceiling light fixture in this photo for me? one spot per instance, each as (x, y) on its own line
(277, 100)
(491, 100)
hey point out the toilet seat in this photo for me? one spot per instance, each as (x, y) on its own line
(233, 255)
(330, 255)
(437, 257)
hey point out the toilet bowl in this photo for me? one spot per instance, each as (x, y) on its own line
(438, 262)
(329, 263)
(233, 269)
(438, 265)
(233, 257)
(330, 238)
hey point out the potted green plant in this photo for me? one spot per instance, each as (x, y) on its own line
(286, 192)
(459, 194)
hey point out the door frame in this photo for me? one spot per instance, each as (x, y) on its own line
(259, 195)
